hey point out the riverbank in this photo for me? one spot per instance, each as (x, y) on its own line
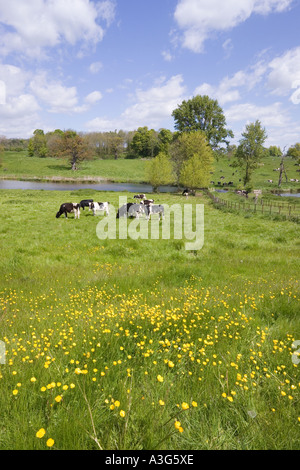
(18, 166)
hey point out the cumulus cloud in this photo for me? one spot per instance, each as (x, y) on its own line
(58, 98)
(18, 115)
(285, 75)
(31, 27)
(151, 108)
(229, 87)
(93, 97)
(198, 19)
(269, 115)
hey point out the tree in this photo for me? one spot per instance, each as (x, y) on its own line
(203, 113)
(294, 151)
(192, 174)
(159, 171)
(250, 149)
(282, 169)
(144, 143)
(116, 142)
(184, 148)
(165, 137)
(74, 147)
(38, 144)
(275, 151)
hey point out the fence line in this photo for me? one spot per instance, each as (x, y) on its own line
(285, 210)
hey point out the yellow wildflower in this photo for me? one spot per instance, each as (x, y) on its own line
(40, 433)
(50, 442)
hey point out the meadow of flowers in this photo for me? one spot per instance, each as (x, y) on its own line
(103, 352)
(139, 370)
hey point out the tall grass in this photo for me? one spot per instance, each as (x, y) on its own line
(139, 344)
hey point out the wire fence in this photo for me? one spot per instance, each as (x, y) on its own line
(286, 211)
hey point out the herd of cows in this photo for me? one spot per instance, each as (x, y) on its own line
(131, 209)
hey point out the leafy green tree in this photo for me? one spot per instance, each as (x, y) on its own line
(30, 148)
(144, 143)
(250, 149)
(159, 171)
(38, 144)
(204, 114)
(187, 146)
(275, 151)
(165, 137)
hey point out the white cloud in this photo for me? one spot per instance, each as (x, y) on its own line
(270, 116)
(59, 98)
(227, 47)
(229, 87)
(198, 19)
(151, 108)
(18, 116)
(281, 128)
(285, 75)
(95, 67)
(32, 26)
(93, 97)
(167, 56)
(14, 78)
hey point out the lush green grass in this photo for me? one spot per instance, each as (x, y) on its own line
(92, 327)
(19, 165)
(260, 176)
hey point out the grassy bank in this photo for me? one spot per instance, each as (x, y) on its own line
(18, 165)
(140, 344)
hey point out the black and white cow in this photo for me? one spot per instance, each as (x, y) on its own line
(123, 210)
(155, 209)
(85, 203)
(99, 206)
(69, 207)
(147, 201)
(131, 209)
(139, 196)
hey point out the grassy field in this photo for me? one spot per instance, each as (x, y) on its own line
(140, 344)
(19, 165)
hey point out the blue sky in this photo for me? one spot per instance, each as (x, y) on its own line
(119, 64)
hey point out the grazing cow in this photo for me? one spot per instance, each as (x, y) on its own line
(99, 206)
(270, 181)
(69, 207)
(155, 209)
(139, 196)
(147, 201)
(123, 211)
(185, 192)
(131, 209)
(136, 210)
(85, 203)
